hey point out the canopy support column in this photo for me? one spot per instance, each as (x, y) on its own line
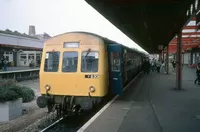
(167, 60)
(179, 62)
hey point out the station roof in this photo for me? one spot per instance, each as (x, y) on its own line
(16, 33)
(10, 40)
(190, 38)
(147, 22)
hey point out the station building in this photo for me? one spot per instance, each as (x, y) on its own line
(22, 49)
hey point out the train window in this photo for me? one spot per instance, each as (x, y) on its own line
(89, 61)
(115, 61)
(51, 61)
(70, 61)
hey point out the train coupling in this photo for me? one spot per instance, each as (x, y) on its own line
(76, 109)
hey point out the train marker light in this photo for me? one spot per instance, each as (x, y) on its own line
(47, 87)
(92, 89)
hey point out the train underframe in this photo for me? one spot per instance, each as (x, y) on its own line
(68, 105)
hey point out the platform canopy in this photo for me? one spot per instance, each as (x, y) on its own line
(190, 38)
(147, 22)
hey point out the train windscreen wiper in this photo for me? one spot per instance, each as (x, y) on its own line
(89, 50)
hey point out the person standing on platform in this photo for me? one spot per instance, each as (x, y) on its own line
(153, 65)
(146, 66)
(158, 66)
(197, 74)
(5, 64)
(162, 69)
(1, 64)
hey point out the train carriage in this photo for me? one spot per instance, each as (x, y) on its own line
(79, 69)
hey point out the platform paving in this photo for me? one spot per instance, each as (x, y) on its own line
(151, 104)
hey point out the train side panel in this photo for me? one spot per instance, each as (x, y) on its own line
(132, 64)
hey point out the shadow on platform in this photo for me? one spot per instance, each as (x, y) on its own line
(150, 105)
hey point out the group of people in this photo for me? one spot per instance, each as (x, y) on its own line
(160, 67)
(3, 64)
(154, 65)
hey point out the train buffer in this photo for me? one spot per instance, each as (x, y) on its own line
(152, 104)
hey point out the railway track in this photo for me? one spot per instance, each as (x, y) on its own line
(72, 123)
(46, 129)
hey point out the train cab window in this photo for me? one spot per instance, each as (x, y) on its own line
(89, 61)
(51, 61)
(115, 61)
(70, 61)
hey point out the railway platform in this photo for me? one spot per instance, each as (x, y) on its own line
(20, 73)
(15, 69)
(151, 104)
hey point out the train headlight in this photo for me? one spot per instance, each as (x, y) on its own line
(92, 89)
(47, 87)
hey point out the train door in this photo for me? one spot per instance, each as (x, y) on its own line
(115, 68)
(125, 77)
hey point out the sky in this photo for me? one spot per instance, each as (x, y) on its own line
(58, 16)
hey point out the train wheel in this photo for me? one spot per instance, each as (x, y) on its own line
(94, 105)
(64, 106)
(59, 111)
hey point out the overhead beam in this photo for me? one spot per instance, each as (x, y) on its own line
(184, 45)
(186, 40)
(190, 27)
(174, 44)
(191, 33)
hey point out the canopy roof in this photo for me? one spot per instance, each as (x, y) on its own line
(147, 22)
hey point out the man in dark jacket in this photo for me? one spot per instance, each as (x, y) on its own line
(146, 66)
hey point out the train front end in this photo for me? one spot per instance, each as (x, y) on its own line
(73, 73)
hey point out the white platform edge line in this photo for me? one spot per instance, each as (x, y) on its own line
(17, 71)
(105, 107)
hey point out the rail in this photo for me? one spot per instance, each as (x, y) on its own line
(52, 125)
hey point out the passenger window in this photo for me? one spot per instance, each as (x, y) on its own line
(115, 61)
(51, 61)
(89, 61)
(70, 61)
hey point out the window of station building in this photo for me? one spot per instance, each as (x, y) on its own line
(51, 61)
(23, 57)
(70, 61)
(38, 57)
(31, 56)
(89, 61)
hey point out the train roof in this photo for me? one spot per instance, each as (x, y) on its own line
(106, 40)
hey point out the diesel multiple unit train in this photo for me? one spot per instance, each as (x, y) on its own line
(80, 69)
